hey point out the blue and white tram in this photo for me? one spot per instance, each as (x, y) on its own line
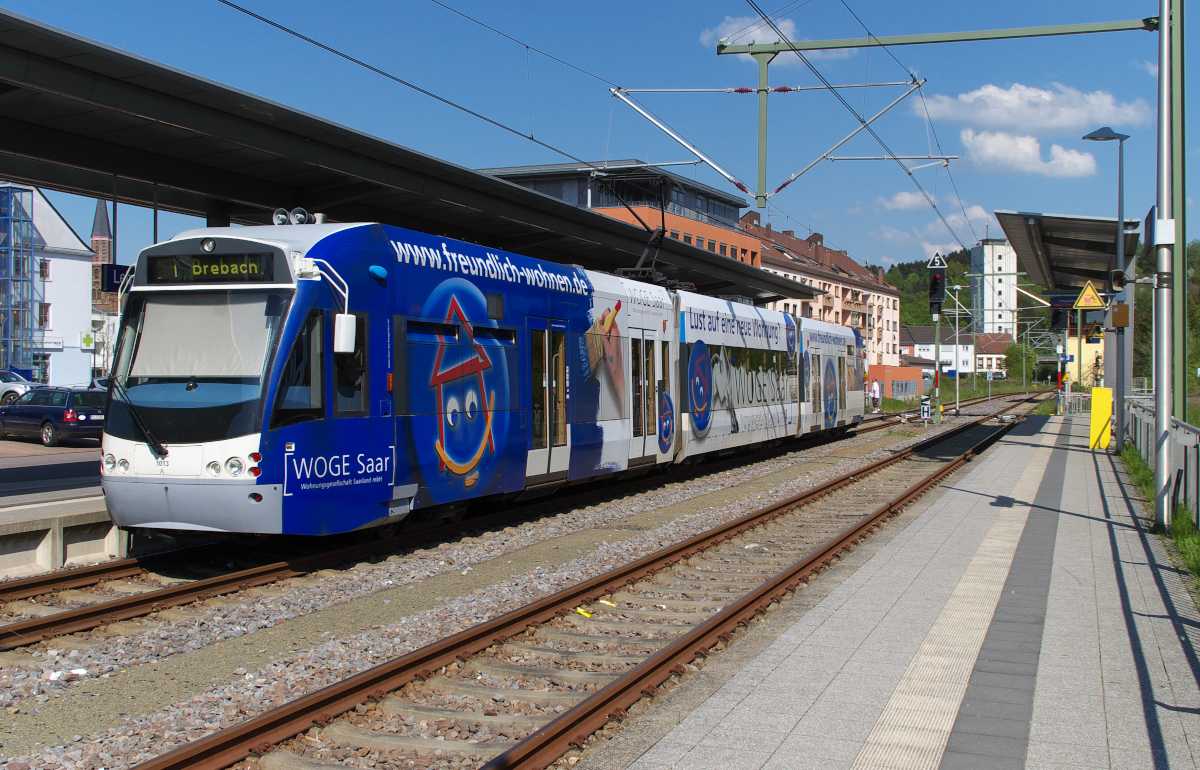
(316, 379)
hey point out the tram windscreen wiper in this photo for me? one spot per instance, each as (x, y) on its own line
(154, 444)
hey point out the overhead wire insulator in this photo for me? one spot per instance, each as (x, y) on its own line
(743, 90)
(782, 89)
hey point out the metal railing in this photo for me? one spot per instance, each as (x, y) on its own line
(1185, 450)
(1075, 403)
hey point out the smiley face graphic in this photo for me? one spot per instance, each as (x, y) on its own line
(666, 424)
(458, 376)
(830, 392)
(455, 427)
(700, 388)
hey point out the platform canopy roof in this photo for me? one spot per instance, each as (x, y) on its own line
(82, 117)
(1063, 253)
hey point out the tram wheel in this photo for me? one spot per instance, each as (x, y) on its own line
(387, 531)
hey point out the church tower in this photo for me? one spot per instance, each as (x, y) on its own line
(102, 247)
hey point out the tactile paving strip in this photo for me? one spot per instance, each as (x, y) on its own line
(915, 724)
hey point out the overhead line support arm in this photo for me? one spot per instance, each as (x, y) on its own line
(1149, 24)
(620, 94)
(849, 136)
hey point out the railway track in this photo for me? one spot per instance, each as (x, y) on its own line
(522, 689)
(55, 605)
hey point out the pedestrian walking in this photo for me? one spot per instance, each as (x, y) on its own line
(875, 395)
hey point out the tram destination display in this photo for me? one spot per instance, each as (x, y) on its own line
(210, 268)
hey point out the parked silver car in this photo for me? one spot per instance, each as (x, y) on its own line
(12, 385)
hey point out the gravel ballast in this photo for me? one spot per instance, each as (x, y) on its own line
(132, 697)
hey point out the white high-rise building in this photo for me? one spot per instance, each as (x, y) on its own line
(994, 297)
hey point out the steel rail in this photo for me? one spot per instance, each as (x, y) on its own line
(26, 632)
(223, 748)
(82, 577)
(574, 726)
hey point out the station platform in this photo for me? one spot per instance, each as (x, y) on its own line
(1019, 617)
(52, 510)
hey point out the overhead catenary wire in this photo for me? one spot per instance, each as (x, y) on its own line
(401, 81)
(953, 185)
(871, 131)
(928, 120)
(535, 49)
(870, 36)
(780, 13)
(746, 90)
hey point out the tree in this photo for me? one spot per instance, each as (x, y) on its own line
(1012, 361)
(912, 279)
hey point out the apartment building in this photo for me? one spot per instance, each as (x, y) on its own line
(994, 289)
(46, 334)
(708, 218)
(689, 211)
(990, 353)
(918, 341)
(854, 296)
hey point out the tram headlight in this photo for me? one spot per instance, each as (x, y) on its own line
(235, 466)
(110, 463)
(214, 468)
(123, 466)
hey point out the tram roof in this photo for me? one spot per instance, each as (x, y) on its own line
(82, 117)
(1065, 252)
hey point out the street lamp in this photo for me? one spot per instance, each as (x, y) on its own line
(1106, 134)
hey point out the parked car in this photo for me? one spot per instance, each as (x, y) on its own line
(53, 414)
(12, 385)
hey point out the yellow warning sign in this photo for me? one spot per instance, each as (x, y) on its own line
(1089, 299)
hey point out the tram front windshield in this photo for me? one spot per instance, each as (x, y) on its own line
(194, 364)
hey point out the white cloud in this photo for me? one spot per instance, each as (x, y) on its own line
(856, 209)
(743, 30)
(905, 200)
(1005, 153)
(938, 248)
(892, 235)
(1035, 109)
(976, 214)
(1150, 68)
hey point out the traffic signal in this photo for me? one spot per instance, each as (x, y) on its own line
(937, 288)
(1060, 319)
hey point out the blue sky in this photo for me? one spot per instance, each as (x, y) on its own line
(1013, 111)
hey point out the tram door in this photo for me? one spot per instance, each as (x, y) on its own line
(644, 394)
(549, 439)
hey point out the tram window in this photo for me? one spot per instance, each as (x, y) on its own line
(842, 384)
(815, 382)
(485, 335)
(301, 393)
(664, 385)
(635, 375)
(350, 376)
(499, 347)
(537, 378)
(685, 355)
(558, 394)
(422, 331)
(649, 397)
